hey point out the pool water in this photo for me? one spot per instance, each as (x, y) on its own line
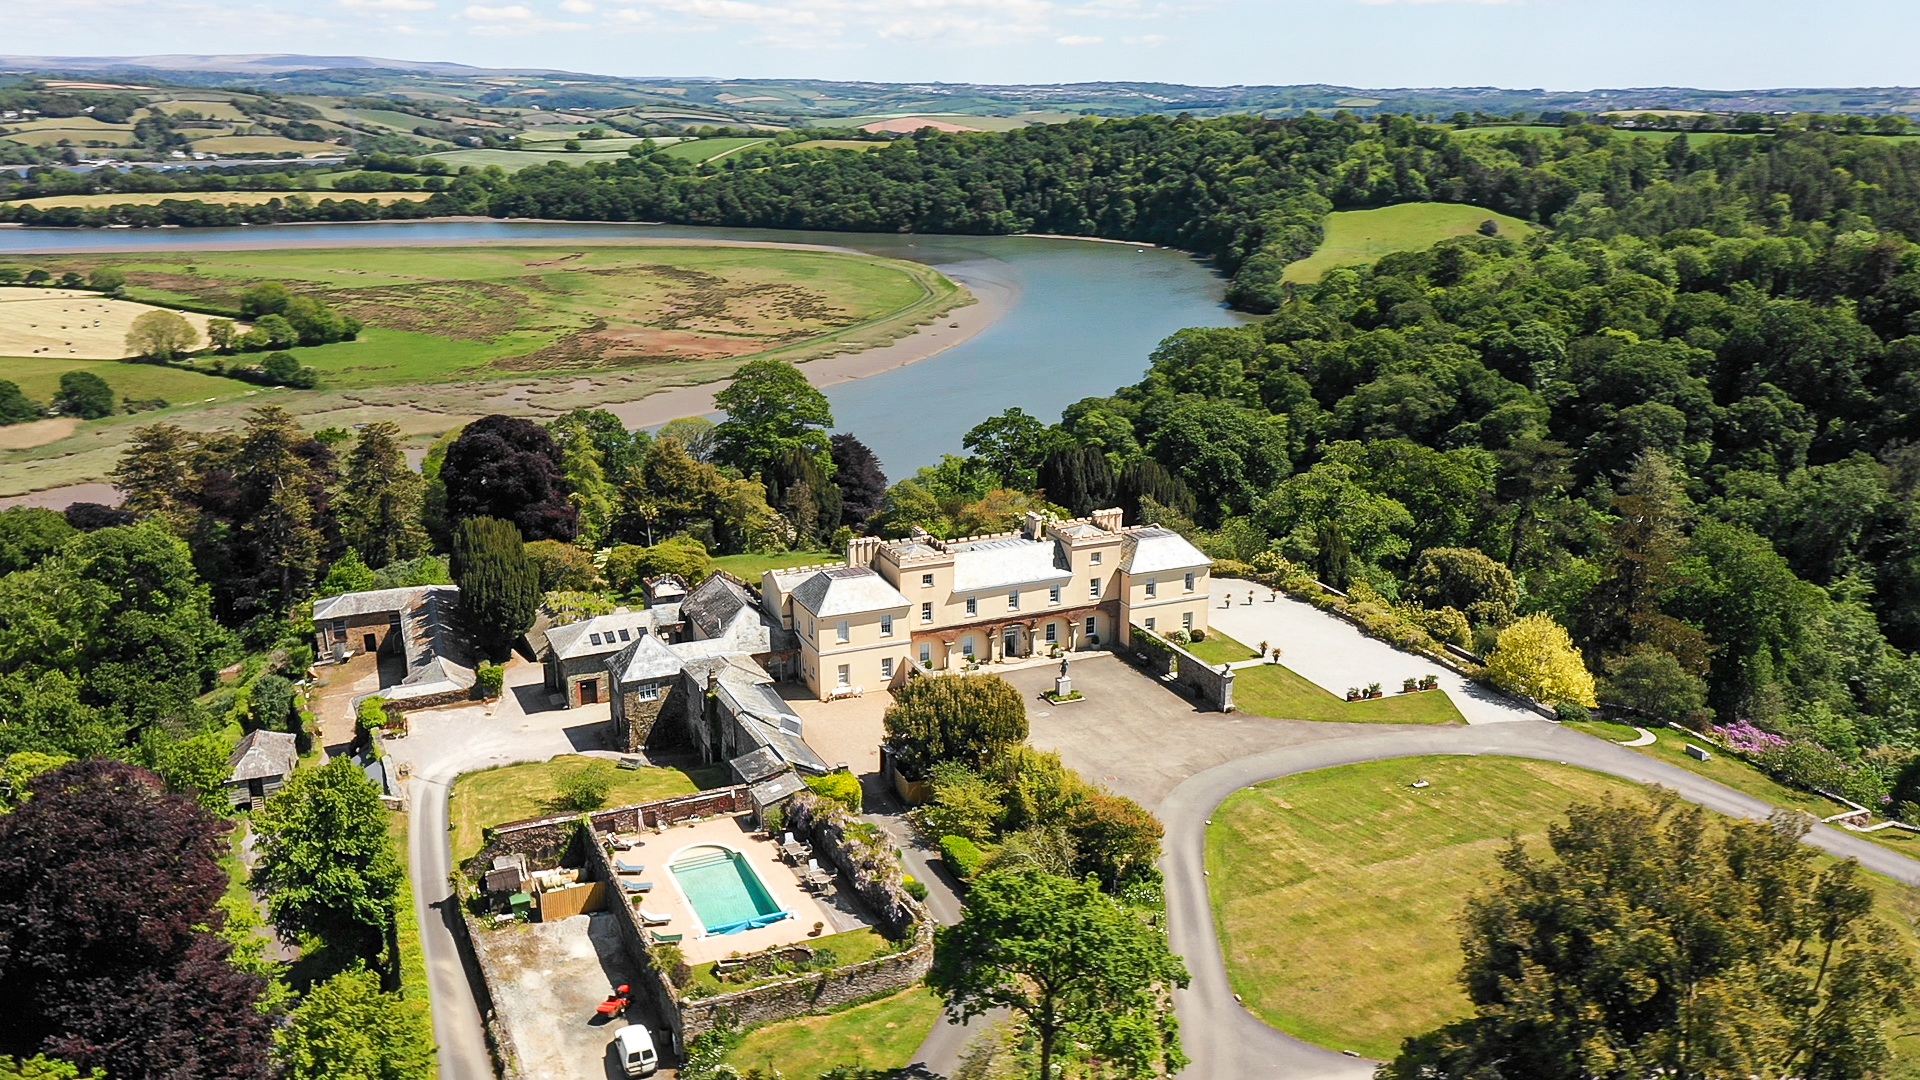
(726, 893)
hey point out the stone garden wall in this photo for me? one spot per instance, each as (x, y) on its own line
(545, 840)
(1210, 685)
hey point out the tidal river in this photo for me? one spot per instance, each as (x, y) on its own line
(1076, 318)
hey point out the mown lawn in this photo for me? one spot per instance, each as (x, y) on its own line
(1363, 236)
(1335, 893)
(881, 1034)
(1218, 648)
(480, 800)
(750, 567)
(1275, 690)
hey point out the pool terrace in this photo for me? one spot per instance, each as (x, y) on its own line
(837, 908)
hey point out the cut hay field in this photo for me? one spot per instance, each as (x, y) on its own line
(263, 144)
(1362, 236)
(1335, 893)
(215, 198)
(70, 324)
(453, 333)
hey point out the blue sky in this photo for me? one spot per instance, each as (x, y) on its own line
(1555, 44)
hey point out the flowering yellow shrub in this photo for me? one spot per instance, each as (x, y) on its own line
(1534, 656)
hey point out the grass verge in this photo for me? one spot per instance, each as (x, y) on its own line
(413, 961)
(882, 1034)
(516, 792)
(1669, 746)
(1275, 690)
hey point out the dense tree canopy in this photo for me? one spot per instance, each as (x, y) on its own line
(1076, 965)
(1656, 941)
(510, 468)
(108, 952)
(960, 718)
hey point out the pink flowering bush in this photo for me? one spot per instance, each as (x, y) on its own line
(1742, 736)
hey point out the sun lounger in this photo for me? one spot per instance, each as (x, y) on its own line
(654, 918)
(664, 939)
(625, 867)
(637, 886)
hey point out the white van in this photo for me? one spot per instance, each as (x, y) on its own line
(634, 1045)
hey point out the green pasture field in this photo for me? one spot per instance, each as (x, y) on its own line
(838, 144)
(707, 149)
(882, 1034)
(1277, 691)
(515, 160)
(1363, 236)
(39, 378)
(1336, 893)
(404, 123)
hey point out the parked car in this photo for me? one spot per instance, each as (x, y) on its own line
(634, 1044)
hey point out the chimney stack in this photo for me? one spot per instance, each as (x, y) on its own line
(862, 549)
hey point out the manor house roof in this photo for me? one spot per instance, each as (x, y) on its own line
(1152, 548)
(847, 590)
(1003, 562)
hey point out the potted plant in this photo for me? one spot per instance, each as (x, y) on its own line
(1409, 685)
(1353, 693)
(817, 927)
(1373, 690)
(1430, 682)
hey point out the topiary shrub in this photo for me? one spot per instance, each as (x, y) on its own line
(842, 788)
(961, 855)
(915, 887)
(488, 679)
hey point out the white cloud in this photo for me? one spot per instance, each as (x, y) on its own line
(576, 7)
(387, 5)
(1078, 39)
(512, 19)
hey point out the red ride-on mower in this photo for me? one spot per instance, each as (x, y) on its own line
(616, 1002)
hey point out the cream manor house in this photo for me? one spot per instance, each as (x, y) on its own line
(1069, 585)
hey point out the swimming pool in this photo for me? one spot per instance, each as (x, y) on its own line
(726, 893)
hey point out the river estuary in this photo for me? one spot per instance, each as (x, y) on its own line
(1078, 317)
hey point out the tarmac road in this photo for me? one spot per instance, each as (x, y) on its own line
(1226, 1041)
(456, 1013)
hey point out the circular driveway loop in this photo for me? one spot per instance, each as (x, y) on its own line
(1226, 1041)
